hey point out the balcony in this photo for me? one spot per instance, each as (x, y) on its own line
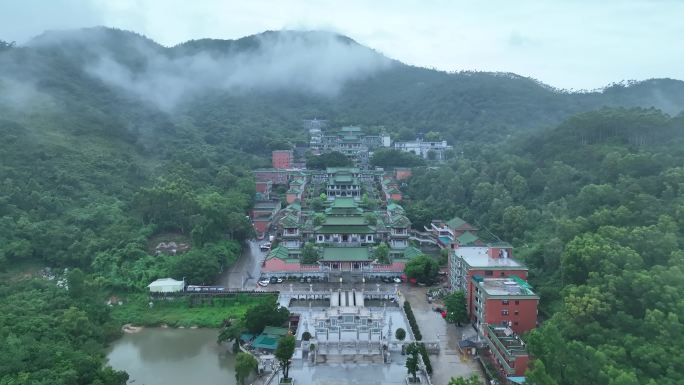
(342, 244)
(398, 245)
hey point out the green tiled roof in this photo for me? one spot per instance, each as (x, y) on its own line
(349, 229)
(466, 238)
(344, 203)
(333, 170)
(341, 179)
(289, 221)
(394, 207)
(275, 331)
(343, 211)
(411, 252)
(399, 221)
(265, 342)
(356, 220)
(294, 207)
(456, 222)
(279, 252)
(346, 254)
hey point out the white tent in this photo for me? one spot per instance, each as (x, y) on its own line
(166, 285)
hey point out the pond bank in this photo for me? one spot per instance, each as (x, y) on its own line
(159, 356)
(136, 311)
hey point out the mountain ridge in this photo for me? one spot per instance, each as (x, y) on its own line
(287, 76)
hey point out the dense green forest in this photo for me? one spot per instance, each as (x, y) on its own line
(100, 158)
(595, 207)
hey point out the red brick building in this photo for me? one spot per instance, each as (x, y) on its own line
(263, 190)
(492, 261)
(277, 177)
(506, 351)
(401, 173)
(506, 302)
(263, 214)
(282, 159)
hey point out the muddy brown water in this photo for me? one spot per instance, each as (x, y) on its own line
(157, 356)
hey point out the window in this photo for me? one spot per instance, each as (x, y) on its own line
(517, 302)
(489, 272)
(504, 312)
(515, 323)
(517, 312)
(504, 302)
(502, 273)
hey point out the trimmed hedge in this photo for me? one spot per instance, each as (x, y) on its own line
(412, 321)
(418, 336)
(426, 357)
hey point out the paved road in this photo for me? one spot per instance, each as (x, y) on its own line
(433, 327)
(245, 272)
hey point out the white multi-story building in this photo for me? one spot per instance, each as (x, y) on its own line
(424, 149)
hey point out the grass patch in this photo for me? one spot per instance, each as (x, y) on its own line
(179, 312)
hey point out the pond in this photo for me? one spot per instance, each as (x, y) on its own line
(157, 356)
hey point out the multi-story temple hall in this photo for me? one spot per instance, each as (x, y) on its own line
(342, 226)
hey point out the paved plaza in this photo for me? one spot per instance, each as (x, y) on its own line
(449, 363)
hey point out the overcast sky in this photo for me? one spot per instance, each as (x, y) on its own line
(581, 44)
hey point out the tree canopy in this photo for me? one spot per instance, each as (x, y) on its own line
(390, 158)
(267, 313)
(330, 159)
(587, 186)
(284, 352)
(594, 208)
(456, 308)
(423, 268)
(245, 364)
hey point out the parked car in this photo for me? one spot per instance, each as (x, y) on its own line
(444, 314)
(301, 280)
(396, 280)
(266, 246)
(308, 279)
(263, 282)
(280, 280)
(437, 309)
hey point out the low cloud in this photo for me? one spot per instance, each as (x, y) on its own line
(21, 95)
(316, 62)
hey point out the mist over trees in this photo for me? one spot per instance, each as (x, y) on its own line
(600, 224)
(109, 142)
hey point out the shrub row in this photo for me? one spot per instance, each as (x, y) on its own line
(412, 321)
(418, 336)
(426, 357)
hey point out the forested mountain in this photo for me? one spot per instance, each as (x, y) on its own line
(109, 139)
(269, 82)
(595, 207)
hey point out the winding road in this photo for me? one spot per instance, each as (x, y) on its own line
(246, 270)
